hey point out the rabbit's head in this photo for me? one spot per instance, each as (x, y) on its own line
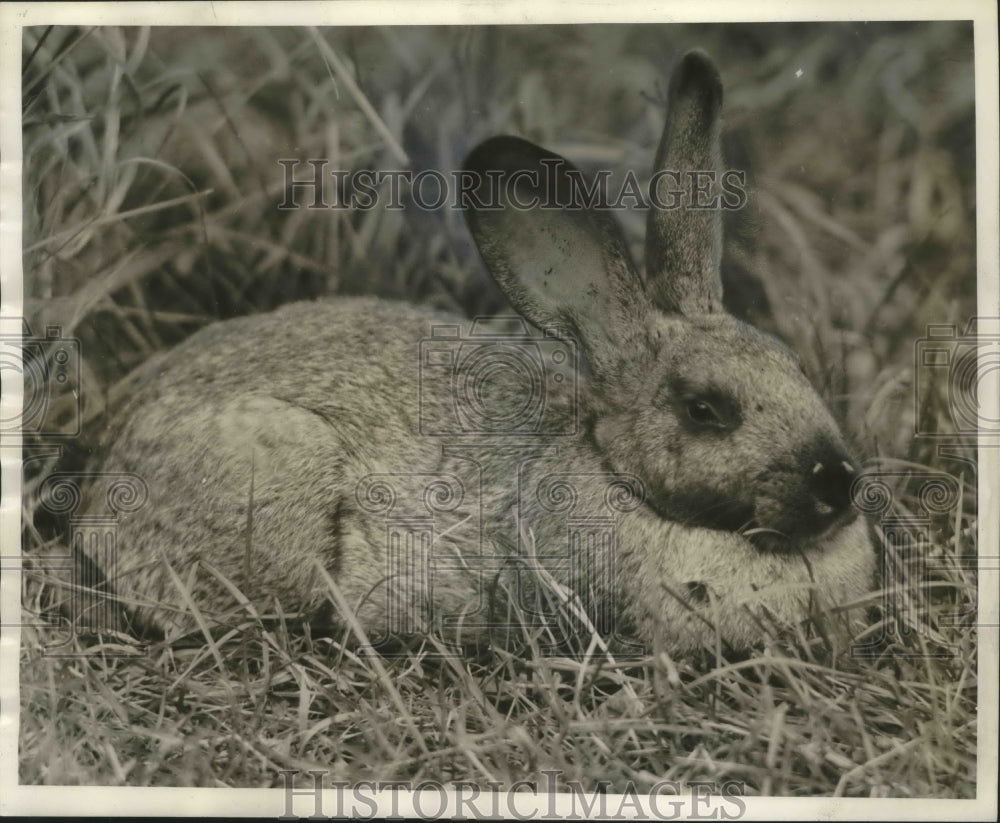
(717, 418)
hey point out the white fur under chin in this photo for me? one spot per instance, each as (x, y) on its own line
(742, 583)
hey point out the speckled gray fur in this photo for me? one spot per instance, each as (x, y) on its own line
(294, 409)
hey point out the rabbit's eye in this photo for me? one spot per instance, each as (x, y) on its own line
(703, 413)
(703, 407)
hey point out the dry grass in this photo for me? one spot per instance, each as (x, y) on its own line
(151, 185)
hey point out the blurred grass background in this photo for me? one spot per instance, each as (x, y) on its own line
(151, 185)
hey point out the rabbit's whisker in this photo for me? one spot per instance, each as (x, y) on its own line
(763, 530)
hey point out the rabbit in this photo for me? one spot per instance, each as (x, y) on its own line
(683, 454)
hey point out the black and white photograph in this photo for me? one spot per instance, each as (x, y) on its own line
(500, 410)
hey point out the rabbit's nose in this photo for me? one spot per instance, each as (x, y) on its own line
(830, 481)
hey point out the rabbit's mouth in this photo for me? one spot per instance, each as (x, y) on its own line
(768, 524)
(704, 508)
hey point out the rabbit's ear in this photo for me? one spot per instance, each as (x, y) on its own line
(684, 245)
(560, 264)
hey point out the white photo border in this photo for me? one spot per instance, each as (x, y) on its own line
(38, 800)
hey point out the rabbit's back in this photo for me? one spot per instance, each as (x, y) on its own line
(287, 411)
